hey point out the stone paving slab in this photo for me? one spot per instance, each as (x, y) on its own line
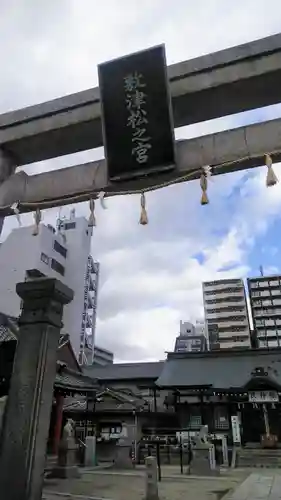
(259, 486)
(123, 487)
(68, 496)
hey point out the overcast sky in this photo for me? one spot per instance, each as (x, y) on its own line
(151, 276)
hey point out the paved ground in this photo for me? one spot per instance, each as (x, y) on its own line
(263, 485)
(131, 486)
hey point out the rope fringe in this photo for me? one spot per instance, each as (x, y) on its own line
(271, 178)
(15, 208)
(37, 219)
(101, 197)
(92, 217)
(143, 215)
(204, 187)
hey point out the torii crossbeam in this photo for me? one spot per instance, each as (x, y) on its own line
(229, 81)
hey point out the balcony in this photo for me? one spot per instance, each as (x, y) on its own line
(92, 284)
(235, 344)
(227, 314)
(244, 335)
(218, 303)
(229, 325)
(90, 303)
(89, 322)
(225, 288)
(223, 294)
(268, 312)
(262, 284)
(223, 283)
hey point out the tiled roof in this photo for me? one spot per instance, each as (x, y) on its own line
(9, 330)
(68, 379)
(6, 334)
(221, 369)
(80, 402)
(75, 403)
(125, 371)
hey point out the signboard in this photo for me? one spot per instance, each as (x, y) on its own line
(138, 132)
(85, 304)
(263, 397)
(235, 429)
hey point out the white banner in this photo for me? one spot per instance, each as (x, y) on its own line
(263, 397)
(235, 429)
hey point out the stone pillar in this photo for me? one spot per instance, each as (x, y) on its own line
(7, 168)
(224, 451)
(151, 486)
(212, 457)
(58, 423)
(90, 452)
(27, 416)
(125, 446)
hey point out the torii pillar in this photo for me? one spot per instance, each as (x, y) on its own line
(7, 168)
(24, 435)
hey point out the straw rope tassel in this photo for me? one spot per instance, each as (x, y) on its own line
(143, 215)
(37, 220)
(271, 178)
(204, 187)
(92, 218)
(15, 208)
(102, 200)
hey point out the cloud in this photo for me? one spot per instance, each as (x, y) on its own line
(150, 276)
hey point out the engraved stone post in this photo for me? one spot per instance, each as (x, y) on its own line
(7, 168)
(225, 451)
(212, 457)
(151, 490)
(27, 416)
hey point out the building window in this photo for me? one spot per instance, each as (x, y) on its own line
(57, 267)
(221, 417)
(69, 225)
(276, 302)
(194, 419)
(60, 249)
(45, 258)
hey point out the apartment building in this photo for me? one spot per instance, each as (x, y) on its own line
(226, 314)
(265, 302)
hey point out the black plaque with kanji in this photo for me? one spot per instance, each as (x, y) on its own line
(138, 130)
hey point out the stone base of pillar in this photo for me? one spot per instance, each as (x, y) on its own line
(67, 461)
(200, 464)
(123, 458)
(67, 472)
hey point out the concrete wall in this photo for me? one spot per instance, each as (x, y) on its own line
(22, 251)
(19, 252)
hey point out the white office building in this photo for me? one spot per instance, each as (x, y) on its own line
(191, 338)
(100, 357)
(187, 328)
(62, 253)
(226, 314)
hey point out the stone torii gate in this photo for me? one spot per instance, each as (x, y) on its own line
(229, 81)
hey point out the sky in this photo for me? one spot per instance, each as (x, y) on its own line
(151, 276)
